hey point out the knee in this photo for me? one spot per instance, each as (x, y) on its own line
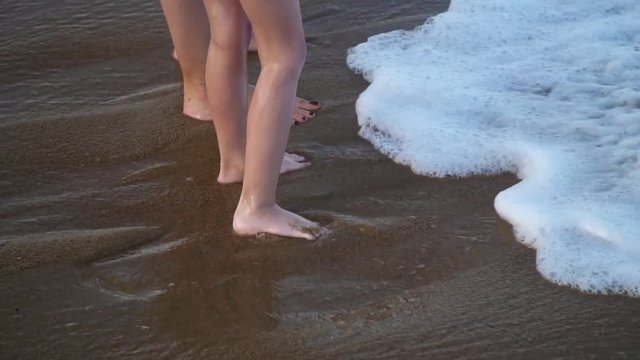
(290, 59)
(230, 41)
(230, 33)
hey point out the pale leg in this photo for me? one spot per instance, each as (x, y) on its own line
(226, 83)
(189, 28)
(190, 32)
(225, 74)
(277, 26)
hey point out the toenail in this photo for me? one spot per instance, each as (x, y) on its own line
(311, 113)
(314, 103)
(304, 119)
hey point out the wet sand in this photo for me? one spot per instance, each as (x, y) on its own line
(115, 239)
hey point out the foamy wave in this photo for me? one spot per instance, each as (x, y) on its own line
(547, 89)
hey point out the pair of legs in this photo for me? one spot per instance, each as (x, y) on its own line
(190, 32)
(252, 47)
(252, 137)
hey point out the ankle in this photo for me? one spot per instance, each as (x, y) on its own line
(248, 217)
(195, 102)
(250, 206)
(230, 172)
(194, 84)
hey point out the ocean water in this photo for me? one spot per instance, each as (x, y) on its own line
(549, 90)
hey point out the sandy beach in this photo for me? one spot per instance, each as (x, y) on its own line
(116, 242)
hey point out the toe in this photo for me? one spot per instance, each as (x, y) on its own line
(319, 232)
(315, 231)
(290, 166)
(296, 157)
(301, 165)
(310, 105)
(300, 116)
(307, 236)
(297, 117)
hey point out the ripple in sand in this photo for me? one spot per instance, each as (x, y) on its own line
(34, 250)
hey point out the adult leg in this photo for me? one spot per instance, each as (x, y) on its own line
(190, 32)
(189, 28)
(277, 26)
(226, 75)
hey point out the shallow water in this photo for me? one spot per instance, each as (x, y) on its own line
(115, 239)
(544, 89)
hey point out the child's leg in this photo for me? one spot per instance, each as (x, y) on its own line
(189, 28)
(277, 25)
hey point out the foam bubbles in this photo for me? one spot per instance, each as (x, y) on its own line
(549, 90)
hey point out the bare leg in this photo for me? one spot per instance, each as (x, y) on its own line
(226, 83)
(189, 28)
(277, 25)
(190, 33)
(252, 48)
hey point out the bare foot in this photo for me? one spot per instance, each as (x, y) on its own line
(304, 111)
(274, 220)
(195, 105)
(293, 162)
(290, 162)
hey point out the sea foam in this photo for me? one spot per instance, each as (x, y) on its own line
(547, 89)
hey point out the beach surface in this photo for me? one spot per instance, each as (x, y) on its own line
(115, 239)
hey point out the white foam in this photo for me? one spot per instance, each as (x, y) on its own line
(548, 89)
